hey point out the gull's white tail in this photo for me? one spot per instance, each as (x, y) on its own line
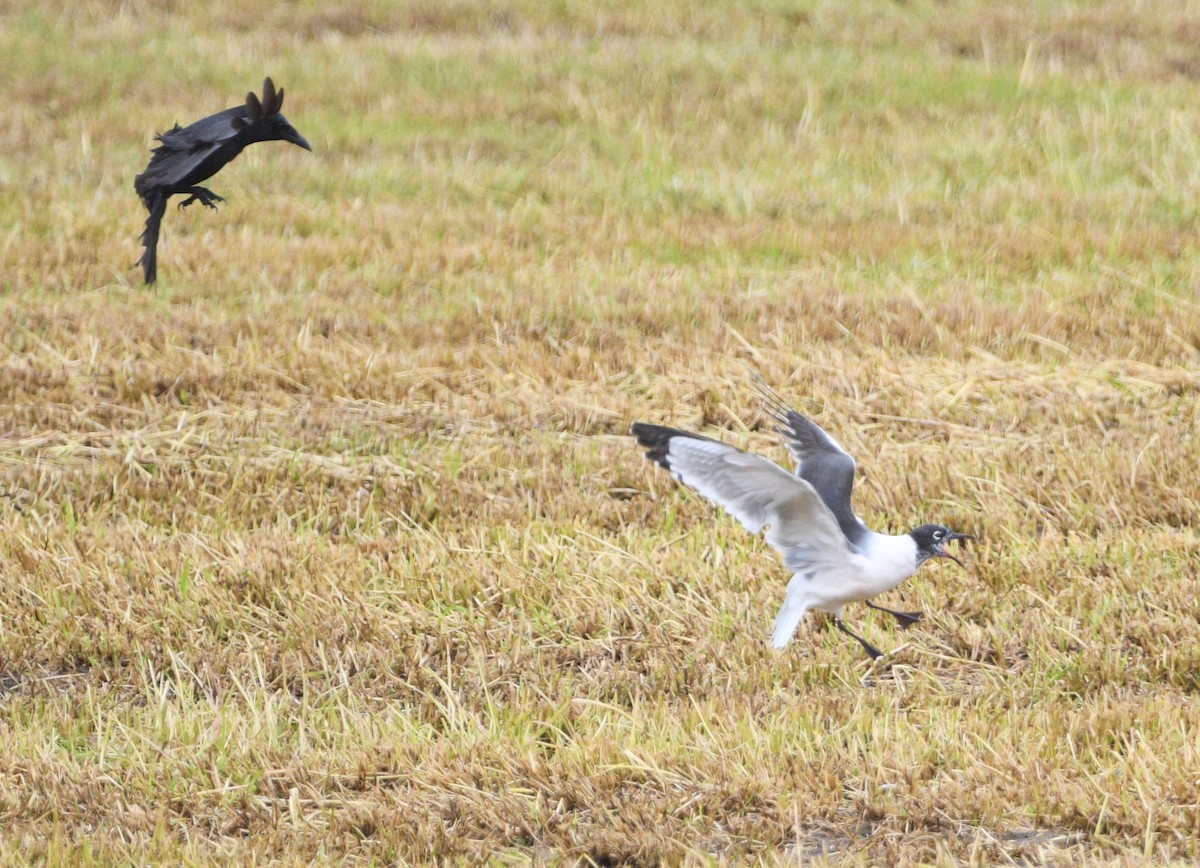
(795, 604)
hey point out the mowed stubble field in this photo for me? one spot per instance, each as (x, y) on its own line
(333, 544)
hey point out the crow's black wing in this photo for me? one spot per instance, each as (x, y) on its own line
(211, 130)
(184, 149)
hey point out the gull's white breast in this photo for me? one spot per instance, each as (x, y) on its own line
(885, 561)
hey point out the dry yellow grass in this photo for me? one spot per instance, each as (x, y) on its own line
(332, 545)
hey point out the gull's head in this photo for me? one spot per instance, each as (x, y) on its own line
(931, 540)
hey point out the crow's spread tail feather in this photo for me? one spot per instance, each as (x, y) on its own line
(149, 261)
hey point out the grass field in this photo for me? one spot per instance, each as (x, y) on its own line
(333, 545)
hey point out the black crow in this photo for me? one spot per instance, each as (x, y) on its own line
(189, 155)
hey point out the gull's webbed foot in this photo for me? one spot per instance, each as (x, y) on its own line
(867, 646)
(904, 619)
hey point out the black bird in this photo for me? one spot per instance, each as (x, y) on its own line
(189, 155)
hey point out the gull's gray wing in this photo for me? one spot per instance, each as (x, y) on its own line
(755, 491)
(820, 460)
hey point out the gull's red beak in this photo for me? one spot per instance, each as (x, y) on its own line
(942, 553)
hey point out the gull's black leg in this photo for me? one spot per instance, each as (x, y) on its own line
(906, 619)
(206, 197)
(867, 646)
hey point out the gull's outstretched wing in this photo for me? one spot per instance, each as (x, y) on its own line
(755, 491)
(820, 460)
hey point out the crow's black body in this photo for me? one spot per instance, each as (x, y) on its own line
(189, 155)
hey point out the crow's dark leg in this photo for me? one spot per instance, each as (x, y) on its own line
(206, 197)
(906, 619)
(867, 646)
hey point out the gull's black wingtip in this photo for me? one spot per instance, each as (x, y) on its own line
(776, 407)
(657, 440)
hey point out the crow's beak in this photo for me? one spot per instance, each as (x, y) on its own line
(290, 135)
